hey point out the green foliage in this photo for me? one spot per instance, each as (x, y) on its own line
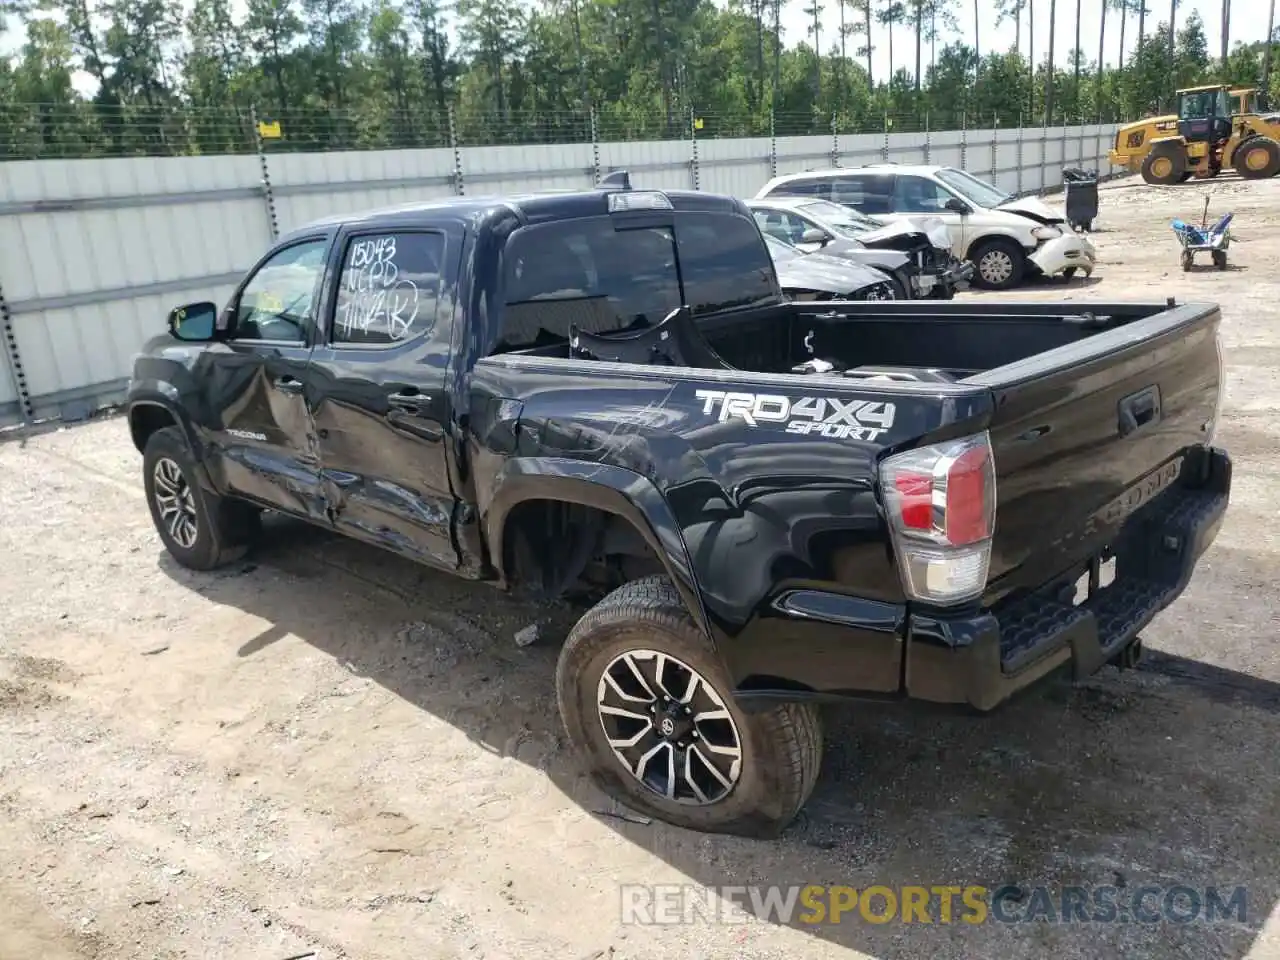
(120, 77)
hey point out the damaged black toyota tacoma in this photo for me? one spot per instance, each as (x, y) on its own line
(780, 503)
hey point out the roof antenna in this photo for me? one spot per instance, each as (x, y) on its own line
(617, 178)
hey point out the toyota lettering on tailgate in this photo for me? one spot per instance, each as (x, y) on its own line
(824, 416)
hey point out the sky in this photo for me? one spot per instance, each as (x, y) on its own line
(1249, 18)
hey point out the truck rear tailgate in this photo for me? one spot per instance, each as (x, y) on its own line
(1088, 440)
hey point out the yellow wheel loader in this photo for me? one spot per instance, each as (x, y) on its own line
(1215, 128)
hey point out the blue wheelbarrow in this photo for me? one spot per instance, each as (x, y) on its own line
(1211, 239)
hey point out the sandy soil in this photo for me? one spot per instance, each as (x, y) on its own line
(328, 750)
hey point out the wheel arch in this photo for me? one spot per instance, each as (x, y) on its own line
(534, 484)
(153, 409)
(990, 232)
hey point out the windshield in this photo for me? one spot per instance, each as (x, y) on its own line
(780, 251)
(978, 192)
(838, 215)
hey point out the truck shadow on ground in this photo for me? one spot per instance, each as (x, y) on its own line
(1161, 776)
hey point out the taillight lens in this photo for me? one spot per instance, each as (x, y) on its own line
(941, 505)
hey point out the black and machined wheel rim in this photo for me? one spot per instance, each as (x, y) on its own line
(175, 503)
(880, 291)
(669, 727)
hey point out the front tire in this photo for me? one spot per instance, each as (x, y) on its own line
(647, 703)
(1164, 167)
(200, 529)
(999, 264)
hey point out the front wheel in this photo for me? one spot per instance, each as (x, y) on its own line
(649, 706)
(1165, 166)
(199, 528)
(999, 264)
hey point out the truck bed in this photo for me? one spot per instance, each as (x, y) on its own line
(1081, 405)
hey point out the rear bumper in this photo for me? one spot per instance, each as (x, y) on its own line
(985, 659)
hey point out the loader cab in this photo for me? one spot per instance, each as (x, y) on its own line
(1204, 114)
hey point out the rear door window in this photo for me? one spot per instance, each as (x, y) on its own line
(586, 274)
(869, 192)
(723, 261)
(390, 288)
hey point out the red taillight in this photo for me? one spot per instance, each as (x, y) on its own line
(916, 493)
(941, 505)
(966, 511)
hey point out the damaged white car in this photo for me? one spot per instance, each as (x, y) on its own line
(1006, 238)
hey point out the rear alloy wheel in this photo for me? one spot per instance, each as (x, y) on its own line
(1257, 158)
(999, 264)
(648, 705)
(669, 727)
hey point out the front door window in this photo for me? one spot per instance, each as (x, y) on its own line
(278, 302)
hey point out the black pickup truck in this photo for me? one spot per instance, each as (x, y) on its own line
(780, 503)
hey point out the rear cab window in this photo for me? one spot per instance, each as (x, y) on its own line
(724, 262)
(586, 273)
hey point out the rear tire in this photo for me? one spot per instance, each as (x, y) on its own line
(1220, 259)
(1187, 259)
(999, 264)
(1164, 166)
(200, 529)
(1257, 158)
(644, 626)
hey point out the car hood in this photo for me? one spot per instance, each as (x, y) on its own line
(1035, 209)
(909, 234)
(892, 256)
(827, 274)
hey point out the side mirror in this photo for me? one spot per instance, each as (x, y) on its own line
(814, 235)
(194, 322)
(956, 205)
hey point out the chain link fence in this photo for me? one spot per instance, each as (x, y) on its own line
(34, 131)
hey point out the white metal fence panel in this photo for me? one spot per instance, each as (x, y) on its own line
(310, 186)
(93, 253)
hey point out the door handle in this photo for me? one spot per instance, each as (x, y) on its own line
(288, 384)
(407, 406)
(408, 401)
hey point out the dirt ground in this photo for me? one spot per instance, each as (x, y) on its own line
(328, 751)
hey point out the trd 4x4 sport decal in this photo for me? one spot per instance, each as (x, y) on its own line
(823, 416)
